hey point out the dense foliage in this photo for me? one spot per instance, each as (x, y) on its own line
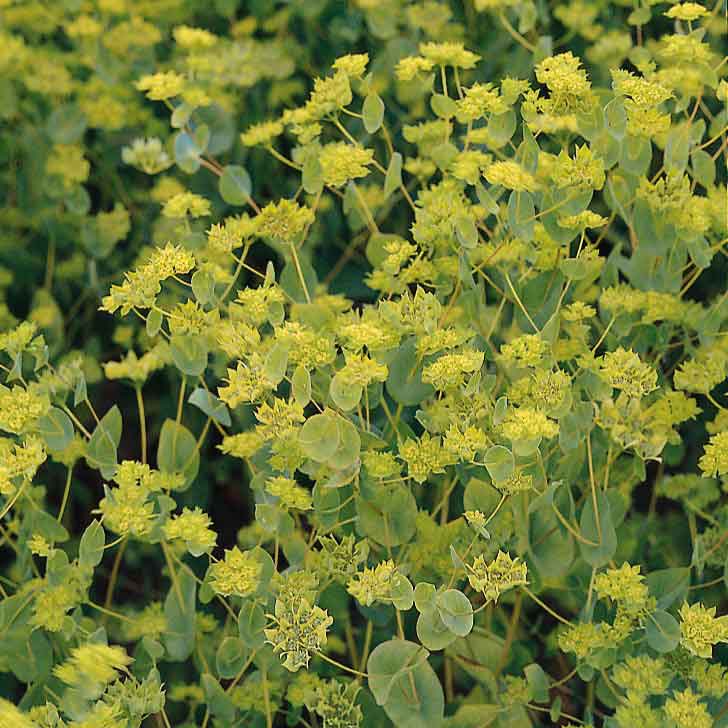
(363, 364)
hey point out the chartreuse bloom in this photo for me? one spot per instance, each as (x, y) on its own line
(237, 574)
(388, 313)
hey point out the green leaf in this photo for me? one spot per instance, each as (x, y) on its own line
(349, 448)
(424, 596)
(235, 185)
(177, 451)
(218, 701)
(443, 106)
(668, 585)
(154, 322)
(703, 166)
(203, 286)
(677, 148)
(455, 611)
(251, 623)
(538, 682)
(393, 177)
(230, 657)
(389, 518)
(186, 153)
(501, 127)
(404, 383)
(466, 231)
(372, 112)
(91, 548)
(276, 363)
(189, 354)
(401, 592)
(312, 178)
(499, 462)
(301, 385)
(209, 404)
(575, 269)
(500, 409)
(345, 395)
(56, 429)
(403, 682)
(662, 631)
(179, 611)
(522, 215)
(66, 124)
(319, 437)
(101, 450)
(432, 632)
(601, 554)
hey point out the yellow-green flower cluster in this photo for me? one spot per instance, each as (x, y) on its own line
(141, 286)
(20, 408)
(450, 371)
(92, 666)
(19, 460)
(192, 526)
(284, 220)
(582, 638)
(148, 155)
(341, 162)
(685, 710)
(582, 172)
(299, 629)
(289, 493)
(525, 423)
(372, 584)
(424, 457)
(567, 82)
(625, 586)
(238, 574)
(527, 350)
(624, 370)
(162, 86)
(510, 175)
(700, 629)
(186, 204)
(714, 460)
(497, 576)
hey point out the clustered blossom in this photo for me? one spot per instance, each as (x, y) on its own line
(700, 629)
(372, 584)
(497, 576)
(237, 574)
(299, 629)
(454, 324)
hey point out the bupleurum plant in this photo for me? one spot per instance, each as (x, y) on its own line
(363, 364)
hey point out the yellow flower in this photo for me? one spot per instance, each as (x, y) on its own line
(686, 11)
(511, 175)
(238, 574)
(161, 86)
(498, 576)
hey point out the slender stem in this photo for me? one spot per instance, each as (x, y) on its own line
(545, 606)
(367, 644)
(510, 634)
(172, 574)
(114, 574)
(66, 493)
(110, 612)
(266, 699)
(515, 34)
(299, 272)
(593, 483)
(341, 666)
(142, 423)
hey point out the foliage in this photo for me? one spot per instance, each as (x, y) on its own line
(363, 364)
